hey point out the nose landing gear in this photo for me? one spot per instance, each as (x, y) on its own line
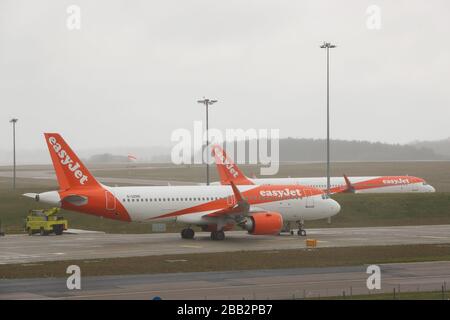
(301, 232)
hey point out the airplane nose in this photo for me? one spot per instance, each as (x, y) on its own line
(431, 189)
(335, 207)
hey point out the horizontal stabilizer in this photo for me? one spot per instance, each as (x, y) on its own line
(76, 200)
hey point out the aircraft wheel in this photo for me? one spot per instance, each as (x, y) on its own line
(217, 235)
(187, 233)
(301, 233)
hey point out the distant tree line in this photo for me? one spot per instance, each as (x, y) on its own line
(293, 149)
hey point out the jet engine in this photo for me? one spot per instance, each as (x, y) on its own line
(263, 223)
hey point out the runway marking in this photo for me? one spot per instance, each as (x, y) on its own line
(191, 246)
(434, 237)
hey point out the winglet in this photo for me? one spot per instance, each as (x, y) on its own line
(237, 193)
(240, 207)
(350, 187)
(242, 204)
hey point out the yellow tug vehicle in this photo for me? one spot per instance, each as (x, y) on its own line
(45, 222)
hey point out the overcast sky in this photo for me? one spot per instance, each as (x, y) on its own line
(133, 72)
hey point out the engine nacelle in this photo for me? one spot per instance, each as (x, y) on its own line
(263, 223)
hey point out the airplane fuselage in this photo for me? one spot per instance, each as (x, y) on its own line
(190, 204)
(369, 184)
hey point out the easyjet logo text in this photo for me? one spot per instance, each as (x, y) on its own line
(226, 162)
(396, 181)
(281, 193)
(67, 161)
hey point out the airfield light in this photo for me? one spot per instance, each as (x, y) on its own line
(328, 46)
(14, 121)
(207, 103)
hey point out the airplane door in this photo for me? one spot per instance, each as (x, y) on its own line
(309, 203)
(110, 201)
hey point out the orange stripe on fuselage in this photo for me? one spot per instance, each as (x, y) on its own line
(255, 196)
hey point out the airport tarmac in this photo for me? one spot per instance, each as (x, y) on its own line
(253, 284)
(25, 249)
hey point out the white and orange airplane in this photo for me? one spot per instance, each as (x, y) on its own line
(258, 209)
(229, 171)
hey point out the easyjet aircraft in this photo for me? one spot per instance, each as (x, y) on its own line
(229, 171)
(257, 209)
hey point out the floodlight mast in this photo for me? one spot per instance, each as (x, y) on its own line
(207, 103)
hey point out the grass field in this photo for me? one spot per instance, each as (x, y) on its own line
(242, 260)
(358, 210)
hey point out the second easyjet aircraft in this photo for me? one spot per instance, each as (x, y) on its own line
(229, 171)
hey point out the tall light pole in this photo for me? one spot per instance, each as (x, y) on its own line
(14, 121)
(328, 46)
(207, 103)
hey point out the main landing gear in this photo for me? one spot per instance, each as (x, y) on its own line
(218, 235)
(187, 233)
(301, 232)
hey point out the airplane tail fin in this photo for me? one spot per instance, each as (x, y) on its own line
(70, 171)
(228, 170)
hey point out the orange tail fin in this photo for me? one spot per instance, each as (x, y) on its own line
(228, 170)
(70, 171)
